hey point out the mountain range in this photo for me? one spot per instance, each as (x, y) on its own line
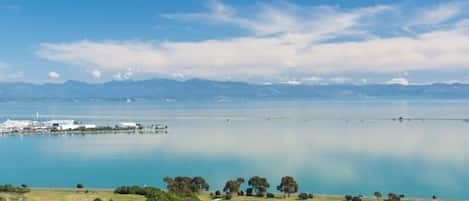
(206, 89)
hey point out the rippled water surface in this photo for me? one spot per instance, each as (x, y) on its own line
(332, 147)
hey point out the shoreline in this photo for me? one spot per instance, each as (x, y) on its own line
(334, 197)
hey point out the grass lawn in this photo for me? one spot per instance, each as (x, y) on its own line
(206, 197)
(71, 195)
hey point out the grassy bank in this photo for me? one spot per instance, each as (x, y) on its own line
(106, 195)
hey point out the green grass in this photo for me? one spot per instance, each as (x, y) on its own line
(105, 195)
(72, 195)
(206, 197)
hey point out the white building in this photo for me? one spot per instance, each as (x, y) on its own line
(127, 125)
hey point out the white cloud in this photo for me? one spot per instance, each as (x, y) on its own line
(96, 73)
(437, 14)
(292, 82)
(53, 75)
(364, 81)
(284, 39)
(312, 79)
(398, 80)
(340, 80)
(123, 75)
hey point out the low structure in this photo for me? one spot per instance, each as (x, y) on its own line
(73, 127)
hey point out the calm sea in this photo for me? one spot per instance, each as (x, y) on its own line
(330, 147)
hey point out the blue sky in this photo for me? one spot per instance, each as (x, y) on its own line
(307, 42)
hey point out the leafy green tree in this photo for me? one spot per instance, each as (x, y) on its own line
(183, 187)
(199, 184)
(259, 184)
(288, 185)
(233, 186)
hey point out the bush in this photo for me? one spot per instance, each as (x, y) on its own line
(97, 199)
(270, 195)
(310, 196)
(241, 193)
(348, 197)
(8, 188)
(249, 192)
(80, 186)
(356, 198)
(303, 196)
(137, 190)
(260, 194)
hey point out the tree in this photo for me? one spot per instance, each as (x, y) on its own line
(186, 184)
(288, 185)
(183, 187)
(378, 195)
(199, 184)
(259, 184)
(233, 186)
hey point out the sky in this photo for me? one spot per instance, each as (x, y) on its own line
(293, 42)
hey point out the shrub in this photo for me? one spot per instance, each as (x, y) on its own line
(8, 188)
(217, 193)
(348, 197)
(270, 195)
(249, 192)
(97, 199)
(260, 194)
(356, 198)
(241, 193)
(80, 186)
(303, 196)
(310, 196)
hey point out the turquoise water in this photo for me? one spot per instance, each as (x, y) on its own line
(331, 147)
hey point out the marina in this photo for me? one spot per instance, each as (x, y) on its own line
(60, 127)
